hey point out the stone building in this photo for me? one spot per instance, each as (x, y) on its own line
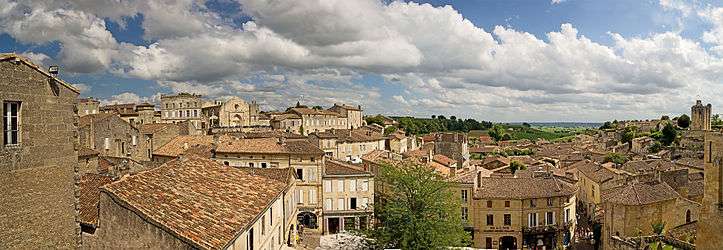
(287, 122)
(347, 144)
(710, 225)
(156, 135)
(348, 197)
(159, 208)
(318, 120)
(452, 145)
(146, 114)
(126, 111)
(38, 157)
(182, 107)
(88, 106)
(236, 112)
(593, 180)
(512, 213)
(353, 115)
(112, 136)
(301, 155)
(630, 210)
(700, 116)
(178, 145)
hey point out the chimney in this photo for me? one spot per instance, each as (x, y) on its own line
(282, 140)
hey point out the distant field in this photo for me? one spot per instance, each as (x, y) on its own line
(533, 133)
(476, 133)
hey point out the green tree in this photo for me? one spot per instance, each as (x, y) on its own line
(378, 119)
(669, 134)
(616, 158)
(658, 227)
(716, 120)
(656, 147)
(389, 130)
(506, 137)
(496, 132)
(606, 125)
(417, 210)
(516, 165)
(317, 107)
(684, 121)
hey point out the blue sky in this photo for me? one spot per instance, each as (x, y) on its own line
(572, 60)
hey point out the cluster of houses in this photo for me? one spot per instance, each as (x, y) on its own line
(203, 174)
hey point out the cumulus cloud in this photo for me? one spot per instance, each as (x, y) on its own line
(318, 51)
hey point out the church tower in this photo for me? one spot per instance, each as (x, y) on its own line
(700, 116)
(710, 224)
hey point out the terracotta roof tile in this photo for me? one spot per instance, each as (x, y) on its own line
(267, 146)
(89, 195)
(444, 160)
(642, 194)
(523, 188)
(594, 171)
(198, 200)
(333, 167)
(181, 143)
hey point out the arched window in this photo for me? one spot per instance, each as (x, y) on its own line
(687, 216)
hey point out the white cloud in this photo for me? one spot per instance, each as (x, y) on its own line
(83, 88)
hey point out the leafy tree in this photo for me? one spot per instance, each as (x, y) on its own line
(684, 121)
(389, 130)
(526, 125)
(453, 118)
(317, 107)
(658, 227)
(628, 137)
(506, 137)
(417, 210)
(516, 165)
(496, 132)
(656, 147)
(616, 158)
(441, 117)
(716, 120)
(669, 134)
(606, 125)
(434, 117)
(378, 119)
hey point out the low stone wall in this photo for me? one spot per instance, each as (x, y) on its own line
(631, 243)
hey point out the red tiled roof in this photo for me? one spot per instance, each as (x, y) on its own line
(642, 194)
(181, 143)
(333, 167)
(267, 146)
(444, 160)
(523, 188)
(89, 195)
(200, 201)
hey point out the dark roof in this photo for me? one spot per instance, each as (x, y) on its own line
(696, 188)
(639, 193)
(644, 166)
(333, 167)
(523, 188)
(200, 201)
(89, 196)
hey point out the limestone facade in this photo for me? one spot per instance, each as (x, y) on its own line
(236, 112)
(700, 116)
(711, 219)
(88, 106)
(182, 107)
(38, 158)
(112, 136)
(348, 197)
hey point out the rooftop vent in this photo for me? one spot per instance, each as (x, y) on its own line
(53, 69)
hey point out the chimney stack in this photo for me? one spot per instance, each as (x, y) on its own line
(282, 140)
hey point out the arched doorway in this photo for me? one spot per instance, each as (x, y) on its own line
(508, 242)
(687, 216)
(307, 219)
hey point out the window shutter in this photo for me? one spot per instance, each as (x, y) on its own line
(106, 143)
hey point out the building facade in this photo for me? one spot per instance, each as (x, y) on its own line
(353, 115)
(700, 116)
(348, 197)
(38, 157)
(88, 106)
(534, 213)
(182, 107)
(711, 218)
(112, 136)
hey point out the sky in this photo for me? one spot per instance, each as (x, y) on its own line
(498, 60)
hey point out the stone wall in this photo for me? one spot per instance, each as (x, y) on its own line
(119, 226)
(38, 176)
(120, 135)
(711, 219)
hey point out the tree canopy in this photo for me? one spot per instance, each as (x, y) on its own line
(419, 126)
(417, 210)
(684, 121)
(669, 134)
(616, 158)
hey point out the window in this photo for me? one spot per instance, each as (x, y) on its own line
(365, 202)
(340, 204)
(508, 219)
(327, 204)
(567, 215)
(352, 185)
(263, 165)
(550, 218)
(533, 203)
(687, 216)
(312, 196)
(327, 186)
(464, 196)
(488, 243)
(340, 185)
(549, 202)
(489, 203)
(532, 219)
(251, 164)
(134, 140)
(352, 203)
(465, 214)
(263, 225)
(271, 216)
(11, 123)
(300, 173)
(365, 185)
(490, 220)
(301, 197)
(710, 152)
(311, 175)
(507, 203)
(250, 245)
(106, 143)
(195, 113)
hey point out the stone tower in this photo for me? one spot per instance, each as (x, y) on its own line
(711, 215)
(700, 116)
